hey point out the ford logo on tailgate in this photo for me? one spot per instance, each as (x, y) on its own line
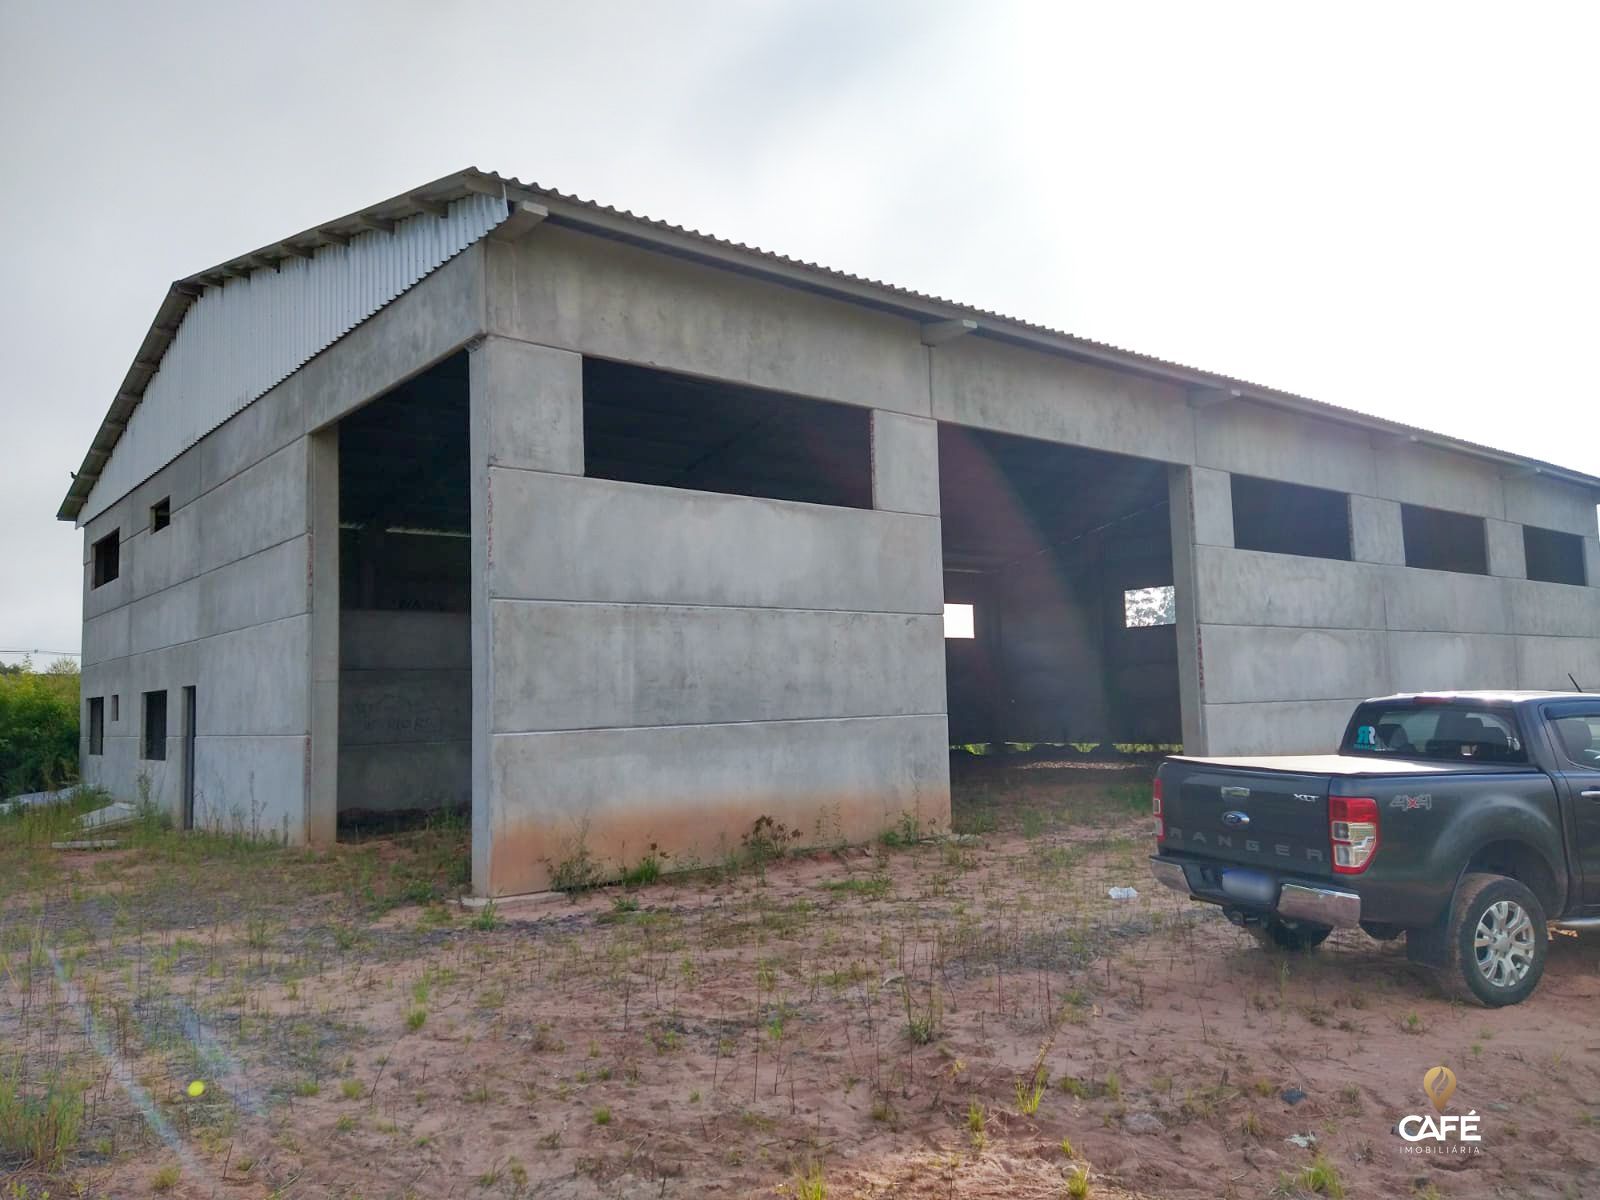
(1235, 819)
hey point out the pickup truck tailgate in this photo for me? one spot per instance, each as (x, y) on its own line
(1249, 816)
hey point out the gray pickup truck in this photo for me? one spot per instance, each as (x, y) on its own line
(1468, 821)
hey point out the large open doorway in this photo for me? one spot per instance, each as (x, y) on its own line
(405, 621)
(1058, 568)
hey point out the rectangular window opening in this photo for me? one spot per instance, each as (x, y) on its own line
(655, 427)
(1553, 556)
(1148, 607)
(97, 725)
(959, 621)
(1290, 518)
(161, 514)
(1437, 540)
(107, 558)
(155, 727)
(116, 709)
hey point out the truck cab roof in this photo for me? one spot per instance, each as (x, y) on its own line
(1508, 697)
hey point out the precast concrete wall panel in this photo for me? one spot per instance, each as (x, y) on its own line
(986, 384)
(561, 537)
(691, 791)
(603, 298)
(579, 666)
(1251, 439)
(1253, 587)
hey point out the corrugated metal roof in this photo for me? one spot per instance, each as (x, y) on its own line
(593, 217)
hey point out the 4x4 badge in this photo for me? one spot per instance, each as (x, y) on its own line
(1410, 803)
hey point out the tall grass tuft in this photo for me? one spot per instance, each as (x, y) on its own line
(38, 1129)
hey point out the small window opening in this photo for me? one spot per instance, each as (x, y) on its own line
(1147, 607)
(1290, 518)
(97, 725)
(641, 425)
(161, 514)
(959, 622)
(1554, 557)
(107, 558)
(1437, 540)
(155, 726)
(116, 709)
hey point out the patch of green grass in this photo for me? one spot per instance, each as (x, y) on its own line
(1318, 1177)
(416, 1018)
(486, 919)
(352, 1089)
(602, 1115)
(166, 1178)
(41, 1128)
(646, 871)
(810, 1184)
(869, 887)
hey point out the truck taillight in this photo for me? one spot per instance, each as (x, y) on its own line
(1353, 830)
(1155, 807)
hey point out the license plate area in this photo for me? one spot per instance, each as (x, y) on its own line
(1248, 887)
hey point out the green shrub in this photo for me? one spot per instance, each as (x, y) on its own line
(38, 730)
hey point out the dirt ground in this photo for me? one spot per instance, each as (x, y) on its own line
(963, 1015)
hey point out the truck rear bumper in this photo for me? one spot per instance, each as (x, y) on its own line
(1296, 901)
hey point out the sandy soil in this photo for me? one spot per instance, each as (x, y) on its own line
(880, 1020)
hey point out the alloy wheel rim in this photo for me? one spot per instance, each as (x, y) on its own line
(1504, 944)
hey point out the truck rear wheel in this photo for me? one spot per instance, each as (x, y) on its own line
(1495, 942)
(1295, 936)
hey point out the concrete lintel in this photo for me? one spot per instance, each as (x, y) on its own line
(937, 333)
(524, 219)
(1201, 398)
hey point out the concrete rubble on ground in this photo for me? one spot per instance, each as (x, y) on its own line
(38, 799)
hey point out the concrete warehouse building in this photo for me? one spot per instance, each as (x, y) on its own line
(629, 536)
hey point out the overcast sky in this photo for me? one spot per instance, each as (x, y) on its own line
(1390, 207)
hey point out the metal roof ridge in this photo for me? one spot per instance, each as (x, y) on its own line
(576, 211)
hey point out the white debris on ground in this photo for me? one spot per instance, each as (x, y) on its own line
(118, 813)
(37, 799)
(1123, 893)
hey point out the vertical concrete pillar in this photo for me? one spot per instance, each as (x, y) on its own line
(1185, 506)
(1376, 534)
(322, 764)
(526, 414)
(905, 463)
(1508, 554)
(1591, 560)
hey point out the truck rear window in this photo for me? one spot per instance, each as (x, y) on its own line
(1440, 732)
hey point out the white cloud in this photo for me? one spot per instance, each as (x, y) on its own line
(1388, 207)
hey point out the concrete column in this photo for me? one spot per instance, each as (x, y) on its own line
(1376, 534)
(322, 772)
(1508, 555)
(1210, 504)
(480, 439)
(905, 463)
(533, 405)
(526, 415)
(1591, 560)
(1181, 492)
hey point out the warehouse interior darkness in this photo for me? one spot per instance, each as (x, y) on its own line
(1064, 556)
(405, 575)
